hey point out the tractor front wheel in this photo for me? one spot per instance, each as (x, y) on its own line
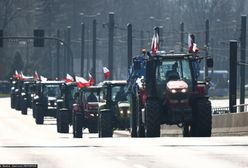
(105, 124)
(202, 119)
(78, 125)
(152, 119)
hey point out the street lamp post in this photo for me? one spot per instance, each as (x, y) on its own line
(84, 26)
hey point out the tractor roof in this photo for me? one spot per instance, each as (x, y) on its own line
(172, 56)
(113, 82)
(93, 88)
(71, 84)
(52, 82)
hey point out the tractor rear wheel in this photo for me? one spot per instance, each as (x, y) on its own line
(202, 119)
(134, 116)
(64, 120)
(39, 115)
(78, 125)
(93, 125)
(24, 107)
(12, 101)
(186, 130)
(152, 119)
(58, 123)
(140, 124)
(106, 127)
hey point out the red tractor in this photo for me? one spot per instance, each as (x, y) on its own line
(85, 110)
(165, 90)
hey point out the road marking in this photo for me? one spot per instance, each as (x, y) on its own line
(139, 166)
(121, 158)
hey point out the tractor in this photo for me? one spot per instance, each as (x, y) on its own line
(64, 107)
(13, 85)
(85, 110)
(16, 94)
(164, 90)
(44, 101)
(115, 112)
(26, 95)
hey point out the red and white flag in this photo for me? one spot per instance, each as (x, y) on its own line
(106, 72)
(155, 43)
(91, 79)
(192, 47)
(23, 77)
(69, 79)
(36, 76)
(81, 82)
(17, 76)
(42, 78)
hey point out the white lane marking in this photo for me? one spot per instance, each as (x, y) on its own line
(139, 166)
(121, 158)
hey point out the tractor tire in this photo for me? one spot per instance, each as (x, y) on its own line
(64, 120)
(18, 103)
(24, 108)
(78, 125)
(186, 130)
(140, 124)
(58, 123)
(39, 115)
(202, 119)
(12, 101)
(152, 119)
(93, 125)
(106, 127)
(34, 109)
(134, 116)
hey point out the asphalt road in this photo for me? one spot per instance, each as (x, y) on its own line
(23, 142)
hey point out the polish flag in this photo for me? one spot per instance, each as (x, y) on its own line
(91, 79)
(81, 82)
(23, 77)
(17, 75)
(42, 78)
(155, 43)
(36, 76)
(192, 47)
(106, 72)
(69, 79)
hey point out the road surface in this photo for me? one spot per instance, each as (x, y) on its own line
(24, 142)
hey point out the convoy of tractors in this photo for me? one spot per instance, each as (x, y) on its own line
(162, 88)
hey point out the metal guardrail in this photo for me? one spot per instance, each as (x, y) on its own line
(220, 110)
(223, 110)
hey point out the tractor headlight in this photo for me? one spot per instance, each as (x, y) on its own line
(184, 90)
(173, 90)
(128, 112)
(121, 112)
(49, 103)
(55, 103)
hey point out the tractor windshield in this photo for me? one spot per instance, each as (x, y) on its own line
(119, 93)
(52, 91)
(171, 69)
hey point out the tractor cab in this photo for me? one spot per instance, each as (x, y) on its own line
(115, 113)
(45, 99)
(65, 106)
(26, 95)
(86, 109)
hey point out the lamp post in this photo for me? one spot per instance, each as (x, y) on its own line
(87, 27)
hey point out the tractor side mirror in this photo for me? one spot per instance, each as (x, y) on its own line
(210, 62)
(136, 65)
